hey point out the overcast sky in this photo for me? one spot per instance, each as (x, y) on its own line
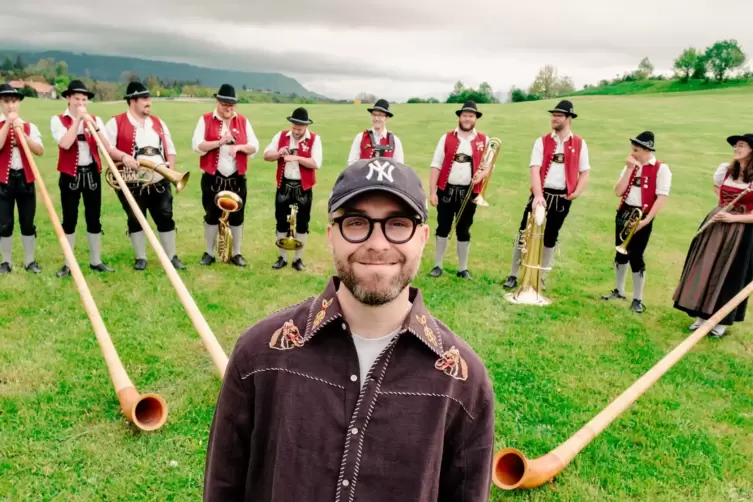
(392, 48)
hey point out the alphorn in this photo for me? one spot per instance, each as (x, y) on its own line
(218, 356)
(512, 470)
(147, 411)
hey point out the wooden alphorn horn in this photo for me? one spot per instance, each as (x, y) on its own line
(147, 411)
(511, 469)
(218, 356)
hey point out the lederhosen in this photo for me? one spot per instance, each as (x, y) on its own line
(16, 189)
(292, 192)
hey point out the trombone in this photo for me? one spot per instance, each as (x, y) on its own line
(488, 161)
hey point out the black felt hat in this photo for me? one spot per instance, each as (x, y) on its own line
(382, 105)
(300, 116)
(226, 94)
(136, 90)
(77, 86)
(565, 107)
(9, 90)
(747, 137)
(644, 139)
(469, 106)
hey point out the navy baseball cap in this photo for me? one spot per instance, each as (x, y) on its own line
(379, 174)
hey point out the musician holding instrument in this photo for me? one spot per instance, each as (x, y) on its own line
(643, 188)
(138, 134)
(359, 393)
(17, 187)
(719, 263)
(298, 154)
(226, 141)
(454, 171)
(80, 171)
(377, 141)
(559, 171)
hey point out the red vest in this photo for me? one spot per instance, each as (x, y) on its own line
(68, 159)
(367, 151)
(212, 127)
(126, 140)
(727, 193)
(451, 145)
(648, 186)
(308, 176)
(6, 155)
(572, 149)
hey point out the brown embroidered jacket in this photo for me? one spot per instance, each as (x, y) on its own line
(292, 424)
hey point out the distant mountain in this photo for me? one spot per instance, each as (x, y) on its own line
(110, 68)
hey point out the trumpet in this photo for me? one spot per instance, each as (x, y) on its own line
(631, 226)
(228, 202)
(144, 175)
(290, 242)
(488, 161)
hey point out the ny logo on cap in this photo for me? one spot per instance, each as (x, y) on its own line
(380, 168)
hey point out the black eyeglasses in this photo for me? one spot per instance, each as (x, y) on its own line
(358, 228)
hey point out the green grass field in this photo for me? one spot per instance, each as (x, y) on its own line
(661, 86)
(690, 437)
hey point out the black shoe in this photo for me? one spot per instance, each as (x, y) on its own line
(177, 263)
(464, 274)
(101, 268)
(238, 260)
(279, 263)
(33, 267)
(207, 259)
(436, 271)
(614, 294)
(298, 265)
(5, 268)
(63, 272)
(140, 264)
(638, 306)
(511, 282)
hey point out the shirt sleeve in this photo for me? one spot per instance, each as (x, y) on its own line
(355, 149)
(622, 173)
(316, 151)
(35, 135)
(537, 154)
(100, 124)
(585, 161)
(169, 139)
(663, 180)
(111, 131)
(438, 159)
(57, 129)
(399, 155)
(272, 146)
(198, 136)
(251, 139)
(720, 173)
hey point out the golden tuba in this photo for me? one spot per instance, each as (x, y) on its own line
(631, 225)
(488, 161)
(532, 248)
(228, 202)
(290, 242)
(144, 175)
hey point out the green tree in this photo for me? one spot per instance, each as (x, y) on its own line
(7, 64)
(19, 63)
(61, 69)
(645, 69)
(724, 56)
(459, 87)
(686, 63)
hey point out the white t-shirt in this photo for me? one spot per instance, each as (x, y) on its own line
(555, 177)
(368, 350)
(292, 169)
(663, 183)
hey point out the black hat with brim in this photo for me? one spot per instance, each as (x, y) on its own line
(300, 116)
(382, 105)
(9, 90)
(747, 137)
(644, 139)
(226, 94)
(136, 90)
(469, 106)
(77, 86)
(565, 107)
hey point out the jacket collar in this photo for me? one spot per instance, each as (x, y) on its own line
(419, 323)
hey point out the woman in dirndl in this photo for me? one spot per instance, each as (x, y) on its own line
(719, 263)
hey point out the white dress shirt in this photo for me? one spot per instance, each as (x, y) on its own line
(663, 183)
(145, 136)
(292, 169)
(461, 173)
(59, 130)
(15, 159)
(355, 148)
(719, 180)
(226, 165)
(555, 177)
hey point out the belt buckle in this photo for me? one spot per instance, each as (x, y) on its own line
(559, 158)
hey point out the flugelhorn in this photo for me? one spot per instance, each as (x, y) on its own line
(218, 356)
(531, 251)
(630, 226)
(148, 412)
(488, 161)
(725, 209)
(228, 202)
(290, 242)
(511, 469)
(144, 175)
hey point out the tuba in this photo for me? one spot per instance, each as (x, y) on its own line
(144, 175)
(532, 248)
(228, 202)
(290, 242)
(488, 161)
(628, 230)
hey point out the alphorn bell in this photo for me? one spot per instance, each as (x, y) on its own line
(511, 469)
(147, 411)
(218, 356)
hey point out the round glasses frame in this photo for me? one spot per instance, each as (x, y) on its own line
(415, 220)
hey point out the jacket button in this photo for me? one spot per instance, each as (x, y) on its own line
(353, 378)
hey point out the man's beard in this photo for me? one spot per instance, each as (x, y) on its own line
(463, 128)
(376, 292)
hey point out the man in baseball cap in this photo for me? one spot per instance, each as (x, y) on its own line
(365, 347)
